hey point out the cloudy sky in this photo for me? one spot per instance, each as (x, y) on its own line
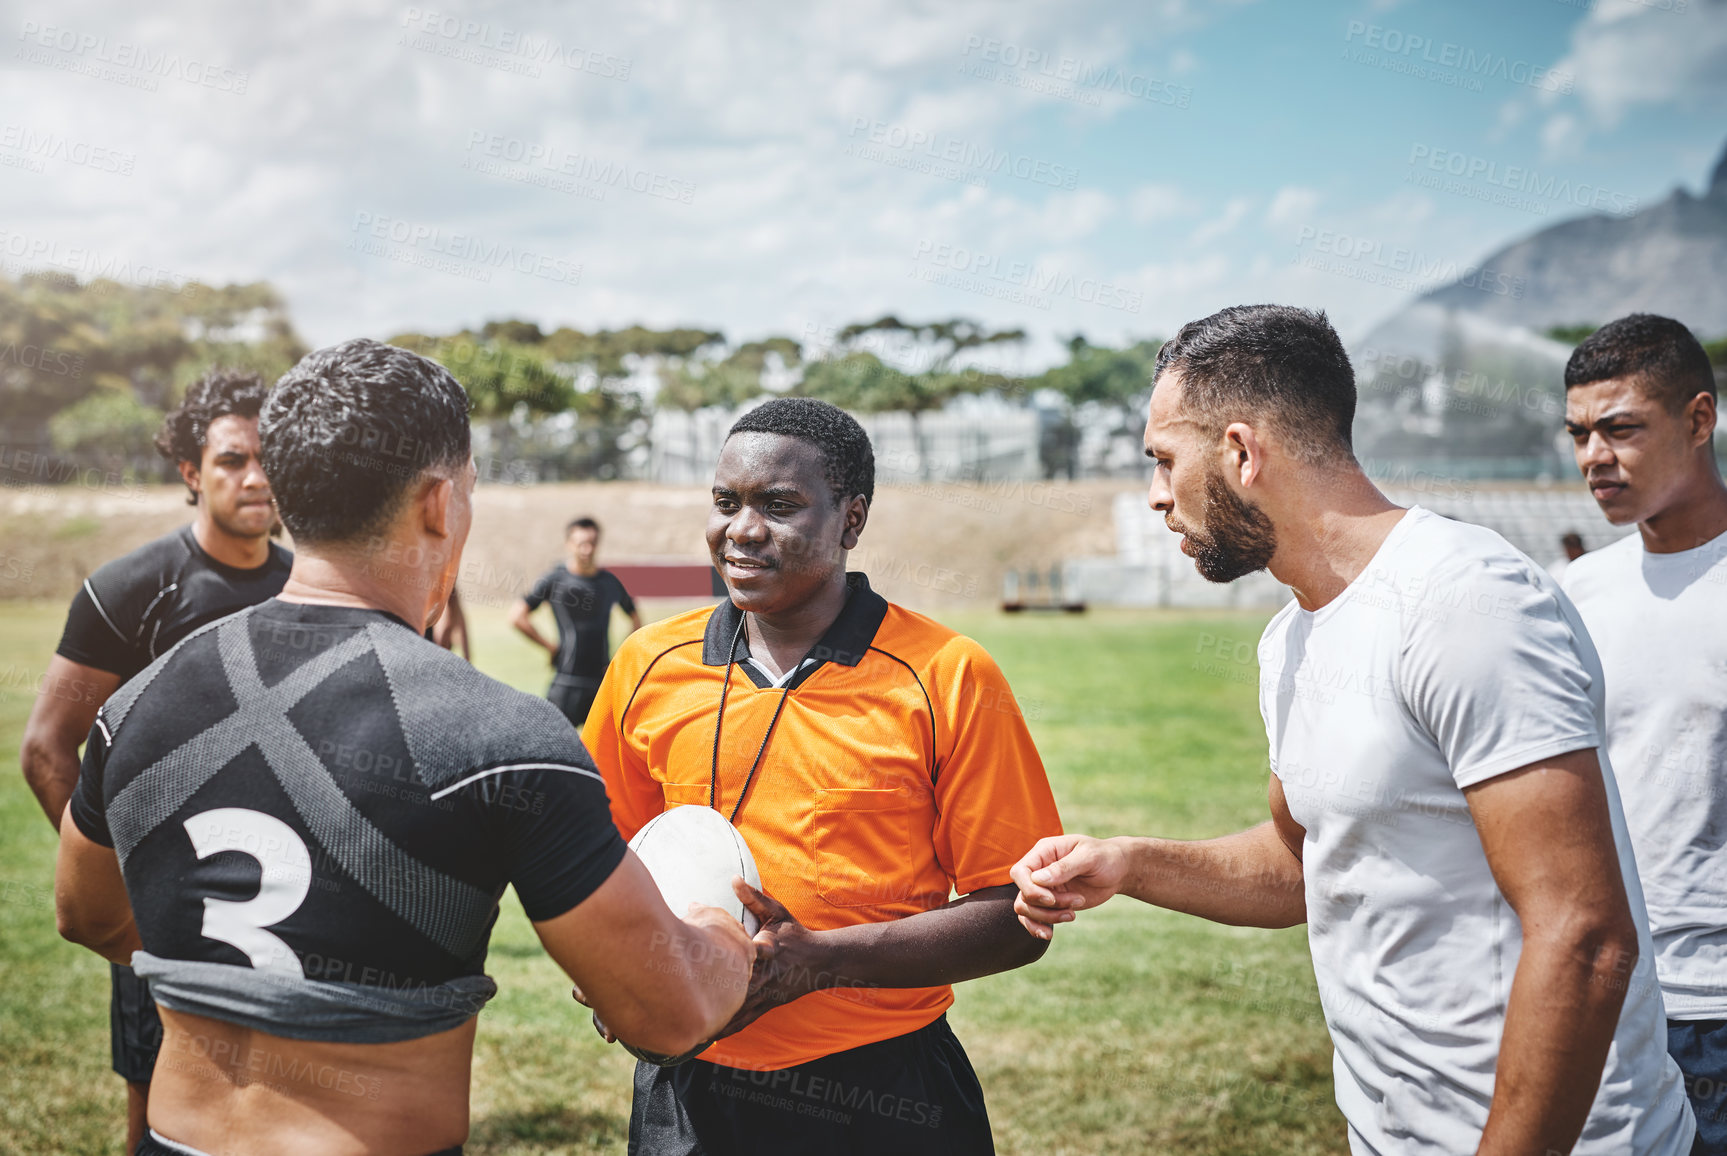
(1106, 168)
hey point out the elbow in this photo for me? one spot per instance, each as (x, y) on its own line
(33, 756)
(73, 929)
(1030, 950)
(114, 943)
(1608, 951)
(670, 1029)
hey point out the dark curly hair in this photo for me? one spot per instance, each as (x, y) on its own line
(848, 459)
(219, 393)
(350, 429)
(1664, 356)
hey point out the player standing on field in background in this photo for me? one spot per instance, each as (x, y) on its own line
(876, 763)
(1442, 815)
(136, 608)
(582, 596)
(1640, 407)
(299, 822)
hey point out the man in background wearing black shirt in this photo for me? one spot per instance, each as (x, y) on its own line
(582, 596)
(136, 608)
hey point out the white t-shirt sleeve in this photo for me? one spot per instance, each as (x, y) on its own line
(1496, 677)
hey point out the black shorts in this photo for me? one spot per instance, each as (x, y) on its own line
(574, 699)
(912, 1095)
(134, 1027)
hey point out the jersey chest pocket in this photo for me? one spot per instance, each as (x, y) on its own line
(863, 848)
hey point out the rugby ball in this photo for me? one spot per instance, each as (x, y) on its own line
(692, 854)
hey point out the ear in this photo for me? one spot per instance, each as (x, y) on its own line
(857, 513)
(1701, 414)
(1244, 452)
(189, 475)
(435, 503)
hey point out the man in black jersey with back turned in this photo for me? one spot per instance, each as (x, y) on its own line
(297, 825)
(582, 596)
(136, 608)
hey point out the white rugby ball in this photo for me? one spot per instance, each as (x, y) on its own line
(692, 853)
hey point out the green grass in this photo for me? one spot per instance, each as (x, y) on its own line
(1139, 1032)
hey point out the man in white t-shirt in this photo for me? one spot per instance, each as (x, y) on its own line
(1442, 819)
(1640, 408)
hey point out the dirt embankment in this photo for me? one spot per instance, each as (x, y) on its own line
(925, 545)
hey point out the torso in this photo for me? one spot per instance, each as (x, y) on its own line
(307, 799)
(582, 604)
(219, 1087)
(1659, 622)
(147, 601)
(1414, 946)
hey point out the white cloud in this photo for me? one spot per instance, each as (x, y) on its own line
(1292, 205)
(1156, 202)
(1628, 53)
(1225, 222)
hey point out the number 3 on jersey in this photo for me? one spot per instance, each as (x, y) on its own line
(282, 888)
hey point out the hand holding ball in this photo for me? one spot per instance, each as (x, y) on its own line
(692, 854)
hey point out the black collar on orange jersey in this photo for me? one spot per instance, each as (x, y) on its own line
(845, 642)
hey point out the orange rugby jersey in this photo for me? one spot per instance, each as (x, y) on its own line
(900, 771)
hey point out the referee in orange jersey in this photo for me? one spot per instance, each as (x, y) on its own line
(877, 764)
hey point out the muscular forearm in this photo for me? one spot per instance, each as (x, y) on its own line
(1559, 1022)
(970, 937)
(1248, 879)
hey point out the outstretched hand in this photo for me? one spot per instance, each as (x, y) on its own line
(1062, 874)
(787, 955)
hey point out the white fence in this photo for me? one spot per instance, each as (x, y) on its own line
(946, 446)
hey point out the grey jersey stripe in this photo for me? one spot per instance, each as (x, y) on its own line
(449, 912)
(159, 790)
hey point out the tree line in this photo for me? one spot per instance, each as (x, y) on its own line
(87, 370)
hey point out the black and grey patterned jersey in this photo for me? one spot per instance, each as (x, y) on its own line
(583, 605)
(134, 609)
(319, 797)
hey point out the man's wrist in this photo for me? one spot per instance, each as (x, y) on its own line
(819, 960)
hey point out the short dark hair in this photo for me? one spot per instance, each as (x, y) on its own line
(347, 431)
(1665, 357)
(582, 523)
(848, 459)
(1268, 361)
(219, 393)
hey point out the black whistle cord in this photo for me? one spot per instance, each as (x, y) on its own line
(719, 721)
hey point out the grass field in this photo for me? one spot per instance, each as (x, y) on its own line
(1139, 1032)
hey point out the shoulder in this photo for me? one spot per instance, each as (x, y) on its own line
(1278, 626)
(198, 647)
(643, 646)
(1440, 555)
(456, 719)
(143, 572)
(1599, 570)
(935, 652)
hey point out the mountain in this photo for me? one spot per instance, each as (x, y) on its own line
(1464, 375)
(1670, 258)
